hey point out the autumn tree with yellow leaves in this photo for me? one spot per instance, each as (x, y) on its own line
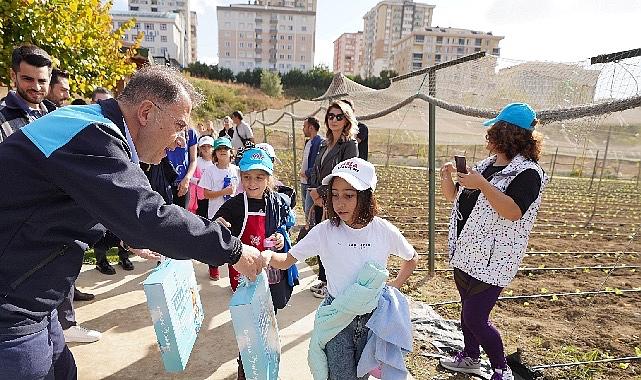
(76, 33)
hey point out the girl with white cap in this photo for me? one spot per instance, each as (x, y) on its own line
(351, 242)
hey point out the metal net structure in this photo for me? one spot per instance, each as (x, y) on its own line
(573, 101)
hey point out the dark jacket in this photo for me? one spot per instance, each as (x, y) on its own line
(341, 151)
(14, 117)
(313, 151)
(69, 171)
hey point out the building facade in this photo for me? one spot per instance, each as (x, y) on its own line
(432, 46)
(163, 33)
(348, 54)
(187, 47)
(386, 24)
(271, 35)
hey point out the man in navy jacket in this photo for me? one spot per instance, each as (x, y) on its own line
(65, 178)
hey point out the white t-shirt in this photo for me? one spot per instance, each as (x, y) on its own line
(214, 180)
(203, 164)
(345, 250)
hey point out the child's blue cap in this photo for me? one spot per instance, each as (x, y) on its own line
(519, 114)
(256, 158)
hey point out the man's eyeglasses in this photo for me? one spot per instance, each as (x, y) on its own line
(338, 116)
(182, 126)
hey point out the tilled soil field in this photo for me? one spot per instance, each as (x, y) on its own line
(578, 295)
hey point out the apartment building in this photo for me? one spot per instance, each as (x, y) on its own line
(425, 48)
(188, 46)
(163, 33)
(271, 35)
(348, 53)
(386, 24)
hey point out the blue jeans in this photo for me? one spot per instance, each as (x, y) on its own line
(40, 356)
(307, 205)
(345, 349)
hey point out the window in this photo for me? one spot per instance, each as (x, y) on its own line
(227, 54)
(281, 56)
(133, 36)
(149, 38)
(154, 9)
(125, 37)
(303, 48)
(303, 28)
(137, 25)
(241, 64)
(241, 44)
(302, 57)
(419, 39)
(302, 38)
(227, 64)
(250, 45)
(149, 26)
(227, 34)
(302, 67)
(163, 38)
(227, 44)
(282, 37)
(290, 38)
(289, 57)
(163, 26)
(289, 47)
(281, 65)
(241, 35)
(241, 25)
(241, 54)
(133, 8)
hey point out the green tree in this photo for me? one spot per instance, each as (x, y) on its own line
(270, 83)
(76, 33)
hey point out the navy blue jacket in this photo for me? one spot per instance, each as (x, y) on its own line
(313, 151)
(64, 177)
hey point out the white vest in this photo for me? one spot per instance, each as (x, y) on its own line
(490, 247)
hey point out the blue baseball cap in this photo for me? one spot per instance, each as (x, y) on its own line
(519, 114)
(256, 158)
(222, 141)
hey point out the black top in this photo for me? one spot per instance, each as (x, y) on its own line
(363, 133)
(226, 133)
(524, 190)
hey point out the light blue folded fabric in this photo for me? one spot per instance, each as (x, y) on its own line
(360, 298)
(390, 337)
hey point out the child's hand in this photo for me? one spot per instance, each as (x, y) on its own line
(223, 222)
(278, 239)
(266, 257)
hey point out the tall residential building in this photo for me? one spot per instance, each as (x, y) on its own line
(387, 23)
(432, 46)
(188, 46)
(163, 33)
(348, 53)
(272, 35)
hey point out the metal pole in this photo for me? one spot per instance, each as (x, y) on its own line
(294, 145)
(432, 172)
(596, 163)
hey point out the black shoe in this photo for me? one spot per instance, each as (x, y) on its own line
(80, 296)
(105, 268)
(126, 264)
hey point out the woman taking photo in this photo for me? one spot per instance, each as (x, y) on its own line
(495, 205)
(340, 145)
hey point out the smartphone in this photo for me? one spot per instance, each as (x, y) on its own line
(461, 165)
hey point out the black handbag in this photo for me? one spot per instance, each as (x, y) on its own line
(303, 231)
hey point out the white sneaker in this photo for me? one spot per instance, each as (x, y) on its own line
(317, 287)
(79, 334)
(320, 293)
(462, 363)
(502, 374)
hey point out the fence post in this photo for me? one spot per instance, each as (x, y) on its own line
(294, 146)
(264, 127)
(553, 163)
(596, 163)
(389, 137)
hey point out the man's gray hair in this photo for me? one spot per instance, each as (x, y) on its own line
(158, 83)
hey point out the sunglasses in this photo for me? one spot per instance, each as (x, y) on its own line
(339, 117)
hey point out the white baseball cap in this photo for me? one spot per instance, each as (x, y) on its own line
(270, 151)
(357, 172)
(206, 140)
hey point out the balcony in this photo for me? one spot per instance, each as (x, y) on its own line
(258, 59)
(258, 20)
(272, 60)
(258, 30)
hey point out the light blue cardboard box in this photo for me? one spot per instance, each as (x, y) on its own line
(176, 310)
(256, 328)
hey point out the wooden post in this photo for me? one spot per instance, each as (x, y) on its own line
(596, 163)
(553, 163)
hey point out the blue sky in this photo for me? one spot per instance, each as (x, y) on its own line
(546, 30)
